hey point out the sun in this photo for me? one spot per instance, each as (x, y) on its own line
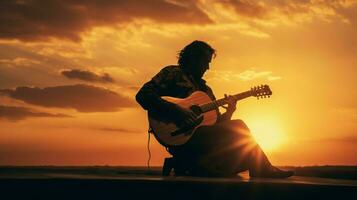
(268, 133)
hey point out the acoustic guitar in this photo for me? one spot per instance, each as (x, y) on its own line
(169, 133)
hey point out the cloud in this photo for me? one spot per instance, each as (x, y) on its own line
(117, 130)
(246, 8)
(83, 98)
(251, 74)
(42, 19)
(14, 113)
(293, 11)
(18, 61)
(133, 88)
(87, 76)
(246, 75)
(36, 20)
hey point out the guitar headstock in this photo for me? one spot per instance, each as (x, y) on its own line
(261, 91)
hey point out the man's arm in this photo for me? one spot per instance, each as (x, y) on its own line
(232, 105)
(149, 96)
(225, 117)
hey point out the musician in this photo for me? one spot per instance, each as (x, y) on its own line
(223, 149)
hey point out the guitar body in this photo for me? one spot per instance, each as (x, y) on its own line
(164, 130)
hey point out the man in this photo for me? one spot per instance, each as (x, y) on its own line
(223, 149)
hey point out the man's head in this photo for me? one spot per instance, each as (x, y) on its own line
(195, 57)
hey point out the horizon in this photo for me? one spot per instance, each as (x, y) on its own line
(70, 72)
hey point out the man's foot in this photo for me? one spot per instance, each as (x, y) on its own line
(272, 172)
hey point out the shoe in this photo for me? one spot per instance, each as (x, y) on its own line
(168, 166)
(272, 172)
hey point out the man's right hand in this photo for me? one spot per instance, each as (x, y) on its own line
(185, 117)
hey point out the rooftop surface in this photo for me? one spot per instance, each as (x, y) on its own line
(138, 183)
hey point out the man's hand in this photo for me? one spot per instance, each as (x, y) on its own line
(232, 103)
(185, 117)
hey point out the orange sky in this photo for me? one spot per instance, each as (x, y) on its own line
(69, 72)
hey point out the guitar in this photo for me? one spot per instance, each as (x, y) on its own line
(170, 134)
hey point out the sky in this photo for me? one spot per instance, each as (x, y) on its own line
(69, 72)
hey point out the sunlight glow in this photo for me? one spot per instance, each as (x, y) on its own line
(268, 133)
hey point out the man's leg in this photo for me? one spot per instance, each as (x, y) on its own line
(233, 145)
(244, 148)
(257, 161)
(227, 146)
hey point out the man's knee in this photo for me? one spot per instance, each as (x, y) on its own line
(239, 123)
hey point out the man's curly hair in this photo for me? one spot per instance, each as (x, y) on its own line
(194, 50)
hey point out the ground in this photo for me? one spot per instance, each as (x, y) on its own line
(138, 183)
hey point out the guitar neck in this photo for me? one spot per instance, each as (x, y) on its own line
(220, 102)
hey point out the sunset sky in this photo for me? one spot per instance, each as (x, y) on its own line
(69, 72)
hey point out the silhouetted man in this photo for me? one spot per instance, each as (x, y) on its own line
(223, 149)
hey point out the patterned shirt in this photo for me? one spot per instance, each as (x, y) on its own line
(171, 81)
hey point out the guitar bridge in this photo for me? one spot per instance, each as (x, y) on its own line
(182, 130)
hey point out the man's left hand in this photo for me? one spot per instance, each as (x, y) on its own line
(232, 103)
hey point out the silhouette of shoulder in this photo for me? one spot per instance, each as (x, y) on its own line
(167, 75)
(169, 71)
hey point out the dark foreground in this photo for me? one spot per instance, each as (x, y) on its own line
(138, 183)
